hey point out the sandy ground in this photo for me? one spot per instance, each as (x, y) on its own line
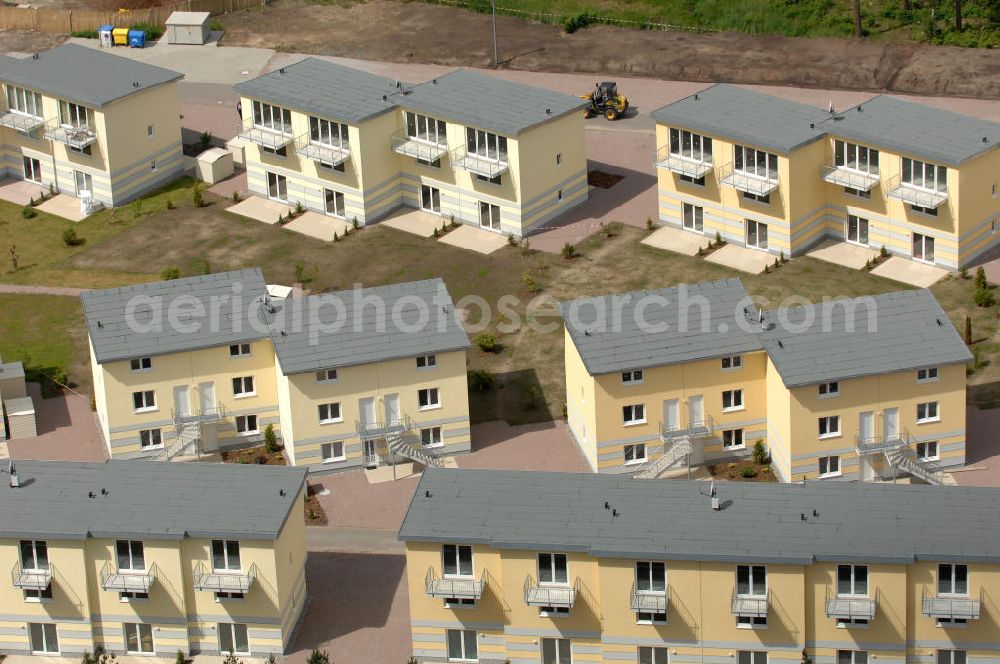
(12, 41)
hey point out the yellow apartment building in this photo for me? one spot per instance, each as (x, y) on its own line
(781, 176)
(358, 378)
(565, 568)
(145, 558)
(74, 119)
(869, 388)
(499, 155)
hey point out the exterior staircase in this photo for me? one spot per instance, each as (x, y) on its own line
(905, 459)
(401, 444)
(186, 443)
(671, 457)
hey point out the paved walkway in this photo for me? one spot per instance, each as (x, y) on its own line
(17, 289)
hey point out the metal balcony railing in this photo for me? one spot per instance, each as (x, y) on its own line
(418, 148)
(31, 578)
(136, 581)
(748, 183)
(951, 608)
(688, 429)
(453, 587)
(224, 581)
(478, 164)
(75, 137)
(324, 153)
(872, 444)
(849, 177)
(539, 594)
(272, 139)
(914, 195)
(20, 121)
(850, 607)
(650, 601)
(675, 163)
(750, 606)
(382, 428)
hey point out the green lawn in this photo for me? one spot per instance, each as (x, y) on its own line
(46, 334)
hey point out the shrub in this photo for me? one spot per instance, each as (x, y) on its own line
(649, 223)
(205, 140)
(511, 240)
(964, 273)
(718, 238)
(980, 281)
(299, 209)
(318, 657)
(235, 197)
(270, 440)
(197, 198)
(70, 238)
(84, 34)
(760, 455)
(525, 247)
(531, 398)
(487, 342)
(568, 251)
(170, 273)
(216, 26)
(29, 212)
(170, 204)
(748, 472)
(983, 297)
(336, 238)
(153, 32)
(180, 658)
(481, 380)
(354, 223)
(576, 22)
(529, 282)
(883, 252)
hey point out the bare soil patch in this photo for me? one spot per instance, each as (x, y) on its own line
(254, 455)
(13, 41)
(744, 470)
(603, 180)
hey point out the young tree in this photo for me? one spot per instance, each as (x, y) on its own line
(857, 19)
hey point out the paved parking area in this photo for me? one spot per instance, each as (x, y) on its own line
(475, 239)
(66, 427)
(842, 253)
(741, 258)
(982, 453)
(910, 272)
(677, 240)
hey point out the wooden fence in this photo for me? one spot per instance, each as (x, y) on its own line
(65, 21)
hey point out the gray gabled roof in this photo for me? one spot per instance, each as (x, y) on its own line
(701, 321)
(745, 116)
(325, 89)
(112, 315)
(84, 75)
(147, 499)
(915, 129)
(856, 522)
(864, 336)
(366, 325)
(488, 102)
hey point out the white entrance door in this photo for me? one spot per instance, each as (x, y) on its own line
(696, 410)
(277, 187)
(489, 216)
(756, 234)
(866, 426)
(206, 397)
(923, 248)
(890, 423)
(392, 414)
(32, 169)
(857, 230)
(182, 401)
(371, 456)
(366, 407)
(671, 415)
(430, 198)
(83, 182)
(694, 217)
(867, 468)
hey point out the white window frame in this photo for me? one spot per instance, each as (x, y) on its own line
(858, 221)
(328, 132)
(633, 377)
(45, 638)
(831, 425)
(931, 177)
(751, 622)
(931, 446)
(231, 628)
(751, 657)
(827, 390)
(854, 582)
(271, 117)
(731, 362)
(633, 414)
(138, 628)
(246, 420)
(928, 375)
(428, 398)
(486, 145)
(731, 435)
(944, 656)
(653, 655)
(852, 657)
(693, 218)
(552, 568)
(339, 203)
(150, 435)
(24, 102)
(644, 578)
(148, 398)
(243, 387)
(240, 350)
(927, 407)
(327, 376)
(451, 555)
(426, 361)
(650, 618)
(690, 145)
(638, 453)
(135, 555)
(735, 397)
(72, 115)
(330, 417)
(752, 572)
(952, 573)
(829, 466)
(227, 556)
(849, 156)
(747, 160)
(426, 129)
(434, 437)
(328, 451)
(141, 364)
(467, 643)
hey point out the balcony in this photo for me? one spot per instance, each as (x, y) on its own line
(268, 138)
(382, 428)
(748, 183)
(691, 429)
(539, 594)
(223, 581)
(452, 587)
(20, 122)
(650, 601)
(418, 148)
(871, 444)
(478, 164)
(75, 137)
(849, 177)
(951, 608)
(133, 581)
(914, 195)
(849, 607)
(31, 579)
(324, 153)
(750, 606)
(675, 163)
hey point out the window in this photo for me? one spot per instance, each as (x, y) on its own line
(426, 128)
(426, 361)
(857, 230)
(855, 157)
(485, 144)
(150, 438)
(233, 639)
(860, 193)
(246, 424)
(456, 560)
(141, 363)
(756, 198)
(277, 152)
(145, 400)
(651, 577)
(489, 216)
(951, 657)
(326, 376)
(829, 389)
(458, 602)
(924, 175)
(428, 398)
(852, 580)
(690, 145)
(559, 195)
(329, 133)
(329, 412)
(44, 638)
(635, 453)
(129, 555)
(433, 164)
(829, 466)
(751, 657)
(226, 556)
(953, 579)
(35, 596)
(930, 211)
(496, 179)
(829, 426)
(558, 651)
(923, 248)
(852, 657)
(649, 655)
(632, 377)
(35, 556)
(751, 622)
(693, 217)
(928, 412)
(732, 439)
(690, 180)
(332, 451)
(223, 596)
(552, 568)
(847, 623)
(634, 414)
(73, 115)
(138, 638)
(927, 375)
(559, 163)
(751, 580)
(732, 400)
(239, 350)
(462, 645)
(731, 362)
(271, 117)
(131, 595)
(755, 162)
(243, 387)
(551, 611)
(648, 618)
(24, 102)
(149, 131)
(334, 202)
(928, 451)
(431, 437)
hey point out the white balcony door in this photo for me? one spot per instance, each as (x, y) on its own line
(277, 187)
(696, 410)
(671, 415)
(489, 216)
(923, 248)
(857, 230)
(430, 199)
(83, 182)
(32, 169)
(371, 456)
(366, 407)
(866, 425)
(182, 401)
(392, 414)
(890, 423)
(206, 397)
(756, 234)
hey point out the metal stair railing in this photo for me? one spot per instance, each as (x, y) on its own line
(906, 460)
(680, 449)
(398, 444)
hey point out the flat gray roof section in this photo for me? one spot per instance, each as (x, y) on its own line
(325, 89)
(84, 75)
(915, 129)
(114, 338)
(760, 523)
(745, 116)
(703, 320)
(366, 325)
(488, 102)
(851, 338)
(147, 500)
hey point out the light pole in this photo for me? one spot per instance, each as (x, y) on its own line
(496, 53)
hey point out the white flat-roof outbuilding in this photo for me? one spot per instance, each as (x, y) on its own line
(188, 28)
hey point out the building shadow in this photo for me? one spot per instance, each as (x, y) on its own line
(516, 397)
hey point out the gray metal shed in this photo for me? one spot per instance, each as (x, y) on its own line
(187, 28)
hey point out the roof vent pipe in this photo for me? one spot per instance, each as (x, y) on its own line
(14, 480)
(716, 505)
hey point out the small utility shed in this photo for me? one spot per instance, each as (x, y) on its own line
(187, 28)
